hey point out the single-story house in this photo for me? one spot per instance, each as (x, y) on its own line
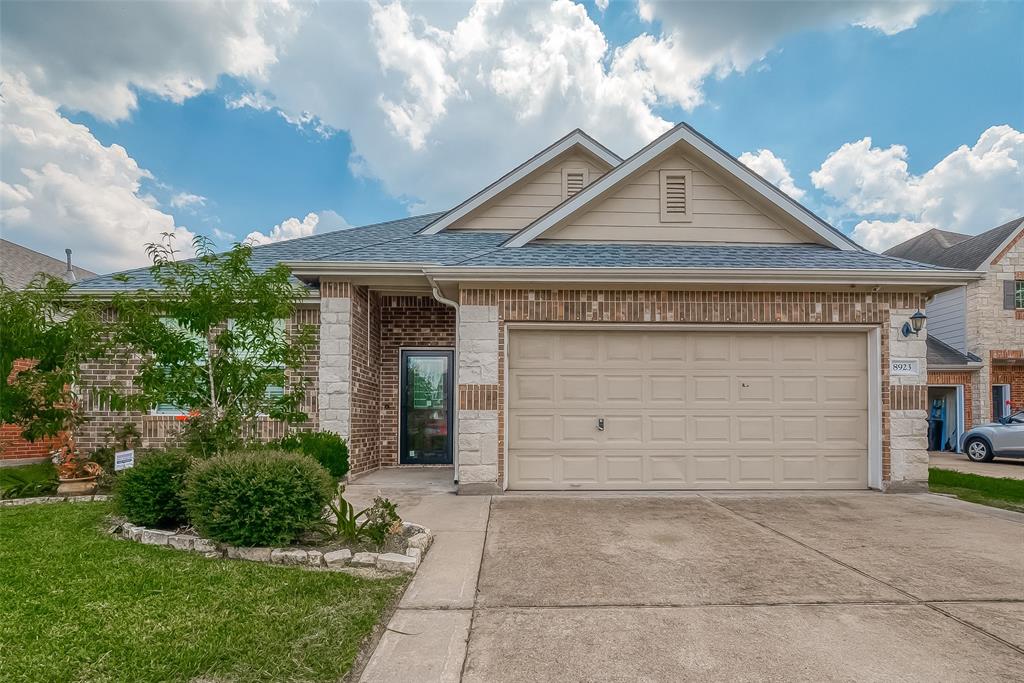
(666, 321)
(976, 331)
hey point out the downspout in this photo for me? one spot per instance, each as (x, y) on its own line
(436, 290)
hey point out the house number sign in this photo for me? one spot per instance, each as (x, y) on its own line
(904, 366)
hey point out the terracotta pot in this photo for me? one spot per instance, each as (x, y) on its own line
(82, 486)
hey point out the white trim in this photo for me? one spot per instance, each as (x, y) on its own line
(874, 407)
(573, 139)
(1004, 411)
(682, 132)
(984, 267)
(961, 428)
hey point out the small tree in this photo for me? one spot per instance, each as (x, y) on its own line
(55, 333)
(213, 341)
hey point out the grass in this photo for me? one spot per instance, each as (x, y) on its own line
(26, 481)
(79, 605)
(995, 492)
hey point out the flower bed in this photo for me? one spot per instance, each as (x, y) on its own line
(415, 539)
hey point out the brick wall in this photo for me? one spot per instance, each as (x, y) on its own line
(1014, 376)
(163, 430)
(12, 446)
(406, 322)
(936, 377)
(903, 425)
(364, 430)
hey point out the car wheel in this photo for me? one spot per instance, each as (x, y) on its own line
(978, 451)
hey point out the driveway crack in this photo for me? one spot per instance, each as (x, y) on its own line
(476, 591)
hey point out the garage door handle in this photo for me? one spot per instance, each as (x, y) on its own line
(600, 424)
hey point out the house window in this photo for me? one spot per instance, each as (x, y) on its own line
(1018, 298)
(676, 199)
(170, 408)
(272, 392)
(574, 180)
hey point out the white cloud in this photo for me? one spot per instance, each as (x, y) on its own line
(601, 4)
(448, 80)
(773, 169)
(62, 188)
(91, 56)
(971, 190)
(187, 200)
(293, 227)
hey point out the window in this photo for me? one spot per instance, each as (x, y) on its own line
(574, 180)
(272, 392)
(676, 205)
(170, 408)
(1019, 294)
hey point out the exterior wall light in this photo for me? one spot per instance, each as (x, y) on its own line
(915, 325)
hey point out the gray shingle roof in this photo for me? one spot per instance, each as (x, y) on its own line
(953, 249)
(941, 353)
(19, 265)
(397, 242)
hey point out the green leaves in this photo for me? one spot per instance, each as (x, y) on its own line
(45, 336)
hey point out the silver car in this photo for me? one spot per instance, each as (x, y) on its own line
(1004, 439)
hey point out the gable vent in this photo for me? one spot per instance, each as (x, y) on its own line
(574, 180)
(675, 196)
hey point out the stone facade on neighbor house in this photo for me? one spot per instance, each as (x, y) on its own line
(162, 430)
(980, 319)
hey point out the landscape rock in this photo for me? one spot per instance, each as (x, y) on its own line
(155, 536)
(250, 554)
(314, 558)
(421, 541)
(181, 541)
(209, 548)
(338, 558)
(393, 562)
(414, 553)
(286, 556)
(364, 560)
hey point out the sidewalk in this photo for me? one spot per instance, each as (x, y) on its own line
(427, 636)
(1012, 468)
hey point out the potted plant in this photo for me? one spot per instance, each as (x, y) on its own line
(76, 476)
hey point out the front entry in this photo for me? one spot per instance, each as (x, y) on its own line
(426, 408)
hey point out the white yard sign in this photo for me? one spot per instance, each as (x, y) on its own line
(904, 366)
(123, 460)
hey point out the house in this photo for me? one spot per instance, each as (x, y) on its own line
(18, 267)
(976, 331)
(666, 321)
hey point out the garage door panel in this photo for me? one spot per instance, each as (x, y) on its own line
(785, 410)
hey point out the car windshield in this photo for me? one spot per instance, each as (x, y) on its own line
(1016, 418)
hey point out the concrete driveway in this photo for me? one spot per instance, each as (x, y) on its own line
(1010, 468)
(858, 586)
(739, 587)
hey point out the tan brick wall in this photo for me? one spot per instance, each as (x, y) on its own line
(162, 430)
(886, 310)
(993, 331)
(406, 322)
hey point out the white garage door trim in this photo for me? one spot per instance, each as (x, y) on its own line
(874, 344)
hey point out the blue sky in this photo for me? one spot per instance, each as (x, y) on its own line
(935, 84)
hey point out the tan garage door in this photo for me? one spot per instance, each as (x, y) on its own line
(687, 410)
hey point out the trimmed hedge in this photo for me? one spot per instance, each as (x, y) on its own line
(257, 498)
(327, 448)
(150, 493)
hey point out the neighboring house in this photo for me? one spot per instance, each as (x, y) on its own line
(18, 267)
(976, 332)
(666, 321)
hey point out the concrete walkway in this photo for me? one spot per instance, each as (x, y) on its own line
(618, 587)
(1012, 468)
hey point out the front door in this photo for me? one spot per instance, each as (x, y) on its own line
(426, 409)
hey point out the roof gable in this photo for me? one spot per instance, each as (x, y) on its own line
(710, 156)
(575, 145)
(954, 250)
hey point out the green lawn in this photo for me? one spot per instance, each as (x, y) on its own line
(996, 492)
(78, 605)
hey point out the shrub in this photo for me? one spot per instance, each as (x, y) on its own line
(327, 448)
(28, 481)
(257, 498)
(151, 492)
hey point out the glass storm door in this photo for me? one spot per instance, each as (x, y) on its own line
(426, 409)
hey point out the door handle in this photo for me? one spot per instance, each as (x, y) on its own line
(600, 424)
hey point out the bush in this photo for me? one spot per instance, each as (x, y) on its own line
(257, 498)
(28, 481)
(327, 448)
(151, 492)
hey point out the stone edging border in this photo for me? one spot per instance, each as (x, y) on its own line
(341, 559)
(12, 502)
